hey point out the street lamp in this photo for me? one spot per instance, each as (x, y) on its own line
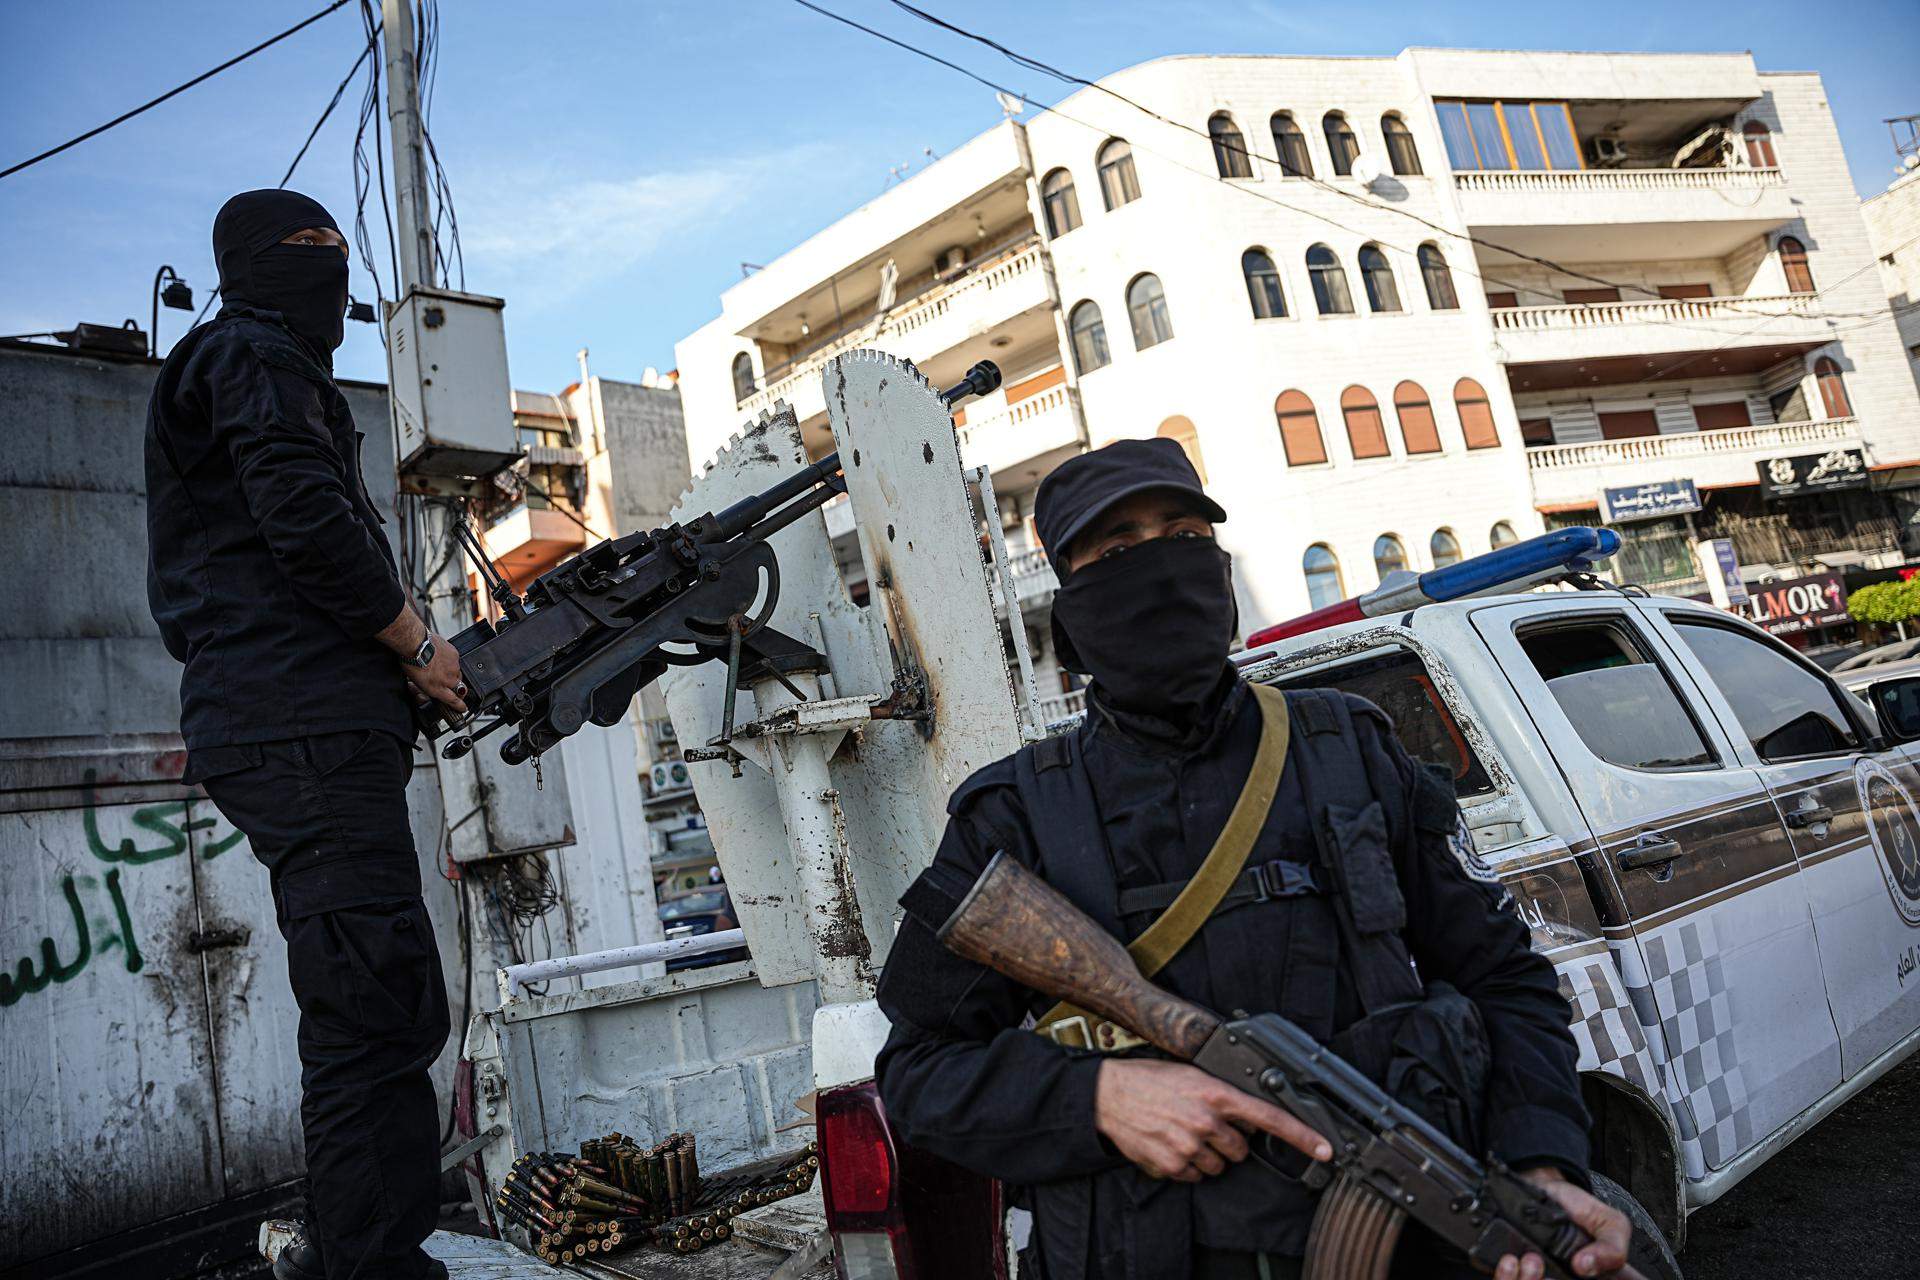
(176, 295)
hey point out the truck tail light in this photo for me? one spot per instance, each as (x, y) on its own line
(897, 1213)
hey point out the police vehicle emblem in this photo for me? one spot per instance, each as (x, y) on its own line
(1893, 824)
(1470, 859)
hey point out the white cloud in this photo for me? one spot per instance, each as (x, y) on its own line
(553, 233)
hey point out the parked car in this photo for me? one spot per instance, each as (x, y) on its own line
(700, 911)
(1879, 655)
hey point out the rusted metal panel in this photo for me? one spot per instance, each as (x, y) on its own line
(108, 1083)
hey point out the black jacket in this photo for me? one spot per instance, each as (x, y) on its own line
(266, 566)
(961, 1080)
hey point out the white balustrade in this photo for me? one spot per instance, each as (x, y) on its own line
(1693, 444)
(1590, 315)
(1591, 181)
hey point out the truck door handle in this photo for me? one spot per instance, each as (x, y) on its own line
(1650, 852)
(1810, 815)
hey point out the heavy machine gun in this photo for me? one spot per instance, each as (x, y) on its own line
(1388, 1163)
(594, 630)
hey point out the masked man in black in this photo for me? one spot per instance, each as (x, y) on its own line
(1133, 1166)
(272, 582)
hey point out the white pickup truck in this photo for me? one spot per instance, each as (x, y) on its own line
(1715, 844)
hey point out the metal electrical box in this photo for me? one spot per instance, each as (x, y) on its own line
(452, 401)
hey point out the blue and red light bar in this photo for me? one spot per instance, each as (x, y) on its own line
(1513, 568)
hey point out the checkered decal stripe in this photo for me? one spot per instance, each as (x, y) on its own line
(1686, 997)
(1604, 1026)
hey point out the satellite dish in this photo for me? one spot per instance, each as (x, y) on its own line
(1009, 104)
(1366, 169)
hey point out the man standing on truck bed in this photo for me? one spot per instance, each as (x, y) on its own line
(1134, 1166)
(272, 582)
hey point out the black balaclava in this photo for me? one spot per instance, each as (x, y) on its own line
(306, 284)
(1152, 625)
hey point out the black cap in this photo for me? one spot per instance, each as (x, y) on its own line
(1082, 487)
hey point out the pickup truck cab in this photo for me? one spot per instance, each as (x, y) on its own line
(1717, 846)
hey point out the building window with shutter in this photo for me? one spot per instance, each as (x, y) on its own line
(1476, 415)
(742, 377)
(1290, 145)
(1118, 183)
(1299, 429)
(1401, 153)
(1366, 434)
(1147, 309)
(1437, 278)
(1322, 568)
(1833, 388)
(1502, 535)
(1060, 204)
(1180, 429)
(1089, 336)
(1377, 276)
(1759, 146)
(1389, 555)
(1793, 261)
(1263, 285)
(1229, 149)
(1342, 147)
(1329, 282)
(1445, 548)
(1418, 431)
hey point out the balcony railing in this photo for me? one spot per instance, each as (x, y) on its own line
(1012, 416)
(921, 312)
(1061, 706)
(1032, 575)
(1573, 316)
(1692, 444)
(1592, 181)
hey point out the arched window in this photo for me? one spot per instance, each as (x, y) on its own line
(1229, 148)
(1342, 146)
(1060, 204)
(1793, 260)
(1445, 548)
(1476, 415)
(1833, 388)
(1366, 434)
(1181, 429)
(1322, 568)
(1089, 335)
(1118, 183)
(742, 377)
(1401, 153)
(1759, 146)
(1291, 146)
(1502, 535)
(1263, 285)
(1299, 429)
(1147, 309)
(1329, 282)
(1377, 276)
(1389, 556)
(1439, 280)
(1417, 428)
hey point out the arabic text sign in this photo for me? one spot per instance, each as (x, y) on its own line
(1810, 473)
(1649, 501)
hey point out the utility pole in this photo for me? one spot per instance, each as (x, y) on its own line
(417, 249)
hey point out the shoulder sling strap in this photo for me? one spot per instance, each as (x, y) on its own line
(1163, 939)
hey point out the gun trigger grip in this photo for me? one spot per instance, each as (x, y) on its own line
(1318, 1175)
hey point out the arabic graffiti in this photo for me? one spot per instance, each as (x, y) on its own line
(172, 823)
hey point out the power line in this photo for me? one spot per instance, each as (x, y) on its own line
(1067, 77)
(173, 92)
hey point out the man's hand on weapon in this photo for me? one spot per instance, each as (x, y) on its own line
(1176, 1121)
(440, 679)
(1611, 1232)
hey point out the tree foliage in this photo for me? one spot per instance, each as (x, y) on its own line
(1885, 602)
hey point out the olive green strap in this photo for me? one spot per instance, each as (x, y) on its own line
(1182, 919)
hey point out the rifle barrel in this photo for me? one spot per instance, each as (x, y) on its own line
(748, 512)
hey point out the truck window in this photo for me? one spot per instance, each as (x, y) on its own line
(1616, 697)
(1396, 681)
(1785, 710)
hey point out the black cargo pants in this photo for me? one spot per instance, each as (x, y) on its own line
(327, 815)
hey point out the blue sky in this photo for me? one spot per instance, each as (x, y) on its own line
(614, 163)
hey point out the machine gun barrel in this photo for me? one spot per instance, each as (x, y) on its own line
(1391, 1163)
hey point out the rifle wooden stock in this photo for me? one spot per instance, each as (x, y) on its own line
(1015, 923)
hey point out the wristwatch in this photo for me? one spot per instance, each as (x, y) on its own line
(423, 655)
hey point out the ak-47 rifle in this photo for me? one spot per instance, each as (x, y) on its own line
(593, 631)
(1388, 1163)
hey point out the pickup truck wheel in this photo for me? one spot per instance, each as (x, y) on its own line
(1650, 1255)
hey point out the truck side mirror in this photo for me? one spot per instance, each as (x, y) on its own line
(1897, 703)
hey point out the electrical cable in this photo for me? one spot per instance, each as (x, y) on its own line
(173, 92)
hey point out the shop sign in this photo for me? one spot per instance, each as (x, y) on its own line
(1721, 568)
(1648, 501)
(1810, 473)
(1798, 604)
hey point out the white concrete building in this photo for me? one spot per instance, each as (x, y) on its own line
(1893, 225)
(1397, 308)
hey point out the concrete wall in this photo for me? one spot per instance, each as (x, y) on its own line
(1893, 226)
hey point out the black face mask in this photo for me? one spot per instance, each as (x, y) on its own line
(306, 284)
(1151, 625)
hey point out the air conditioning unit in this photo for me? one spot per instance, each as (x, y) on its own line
(951, 262)
(1606, 152)
(668, 775)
